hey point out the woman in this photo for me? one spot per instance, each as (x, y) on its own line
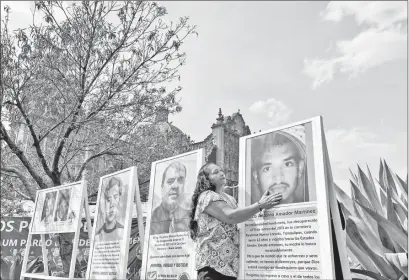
(48, 208)
(213, 224)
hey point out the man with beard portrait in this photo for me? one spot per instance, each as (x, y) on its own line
(169, 217)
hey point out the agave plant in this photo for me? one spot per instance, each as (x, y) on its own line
(376, 218)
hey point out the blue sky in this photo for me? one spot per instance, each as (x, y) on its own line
(346, 61)
(282, 62)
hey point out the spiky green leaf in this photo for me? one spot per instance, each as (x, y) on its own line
(345, 211)
(400, 260)
(385, 239)
(368, 220)
(344, 199)
(362, 257)
(396, 234)
(384, 267)
(369, 273)
(353, 176)
(401, 184)
(382, 176)
(391, 215)
(390, 210)
(371, 240)
(395, 196)
(383, 196)
(370, 191)
(389, 178)
(402, 215)
(358, 196)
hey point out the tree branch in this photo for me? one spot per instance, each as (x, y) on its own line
(36, 143)
(25, 182)
(20, 154)
(92, 158)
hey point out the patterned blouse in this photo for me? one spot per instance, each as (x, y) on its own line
(217, 242)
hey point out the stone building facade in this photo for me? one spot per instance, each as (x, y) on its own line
(222, 146)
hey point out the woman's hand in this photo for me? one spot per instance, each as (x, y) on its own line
(268, 201)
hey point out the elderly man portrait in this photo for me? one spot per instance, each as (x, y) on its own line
(169, 217)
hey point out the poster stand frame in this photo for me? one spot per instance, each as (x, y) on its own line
(135, 196)
(44, 275)
(327, 212)
(200, 154)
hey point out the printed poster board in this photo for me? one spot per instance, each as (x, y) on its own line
(169, 252)
(292, 240)
(14, 235)
(58, 210)
(112, 225)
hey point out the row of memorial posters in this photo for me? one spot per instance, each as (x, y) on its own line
(14, 234)
(57, 214)
(291, 241)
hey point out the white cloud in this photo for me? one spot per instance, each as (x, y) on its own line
(379, 13)
(347, 148)
(276, 111)
(384, 39)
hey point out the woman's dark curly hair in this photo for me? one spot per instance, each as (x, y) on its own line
(203, 184)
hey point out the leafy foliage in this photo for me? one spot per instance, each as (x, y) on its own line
(77, 86)
(376, 223)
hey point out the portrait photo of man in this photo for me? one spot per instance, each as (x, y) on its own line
(279, 165)
(110, 201)
(48, 207)
(169, 216)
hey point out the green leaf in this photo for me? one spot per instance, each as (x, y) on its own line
(404, 200)
(385, 239)
(395, 197)
(402, 184)
(400, 260)
(358, 196)
(383, 196)
(390, 210)
(362, 257)
(368, 220)
(402, 214)
(382, 176)
(371, 240)
(370, 191)
(391, 215)
(345, 200)
(345, 211)
(369, 273)
(394, 232)
(383, 267)
(370, 175)
(353, 176)
(389, 178)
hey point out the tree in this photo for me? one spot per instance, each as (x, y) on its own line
(77, 86)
